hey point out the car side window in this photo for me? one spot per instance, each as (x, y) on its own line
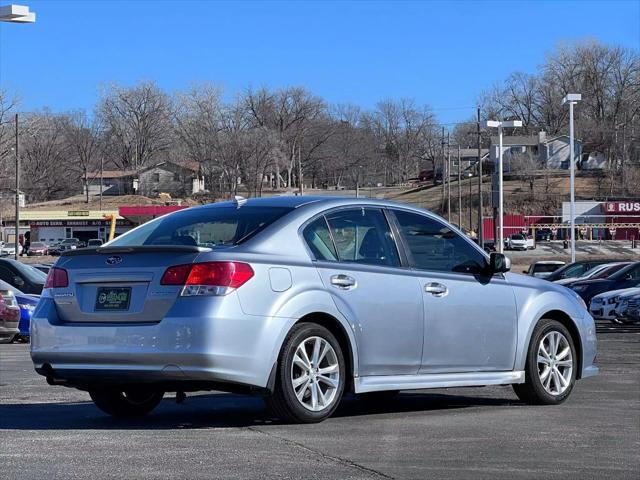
(6, 275)
(362, 235)
(434, 246)
(318, 239)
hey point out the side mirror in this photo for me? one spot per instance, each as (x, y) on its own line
(18, 281)
(498, 263)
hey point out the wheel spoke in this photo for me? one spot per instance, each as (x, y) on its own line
(314, 395)
(300, 393)
(325, 350)
(316, 352)
(543, 360)
(327, 370)
(300, 380)
(328, 381)
(563, 353)
(565, 363)
(301, 362)
(544, 352)
(303, 350)
(560, 377)
(545, 373)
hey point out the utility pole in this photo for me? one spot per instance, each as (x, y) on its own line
(459, 192)
(300, 188)
(480, 208)
(17, 230)
(448, 178)
(444, 192)
(101, 178)
(470, 196)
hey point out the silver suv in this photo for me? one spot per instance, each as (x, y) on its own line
(300, 299)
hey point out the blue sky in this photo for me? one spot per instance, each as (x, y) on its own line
(440, 53)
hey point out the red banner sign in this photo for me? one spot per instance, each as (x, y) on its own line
(621, 207)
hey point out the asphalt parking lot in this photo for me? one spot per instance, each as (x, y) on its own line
(476, 433)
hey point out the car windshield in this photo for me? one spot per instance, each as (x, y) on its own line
(517, 237)
(70, 240)
(610, 270)
(203, 227)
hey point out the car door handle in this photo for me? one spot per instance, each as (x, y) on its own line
(436, 289)
(344, 282)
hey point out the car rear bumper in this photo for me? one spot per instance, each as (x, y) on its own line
(216, 346)
(8, 331)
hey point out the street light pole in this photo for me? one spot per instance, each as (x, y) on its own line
(17, 229)
(572, 99)
(500, 125)
(17, 14)
(480, 208)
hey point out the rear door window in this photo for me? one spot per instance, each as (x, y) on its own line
(362, 235)
(318, 239)
(203, 227)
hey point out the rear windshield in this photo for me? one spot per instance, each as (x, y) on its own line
(203, 227)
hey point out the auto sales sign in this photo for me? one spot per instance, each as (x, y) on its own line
(622, 207)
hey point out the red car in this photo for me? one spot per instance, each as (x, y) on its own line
(9, 316)
(37, 248)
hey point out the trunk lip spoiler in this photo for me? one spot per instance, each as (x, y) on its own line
(136, 249)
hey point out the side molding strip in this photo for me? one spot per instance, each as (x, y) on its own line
(435, 380)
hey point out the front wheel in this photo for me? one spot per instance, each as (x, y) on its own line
(310, 375)
(552, 362)
(129, 403)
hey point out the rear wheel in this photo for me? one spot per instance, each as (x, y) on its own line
(135, 402)
(310, 375)
(550, 371)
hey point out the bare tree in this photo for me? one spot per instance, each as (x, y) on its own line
(82, 139)
(137, 123)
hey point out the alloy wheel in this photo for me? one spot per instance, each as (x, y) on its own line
(315, 373)
(555, 363)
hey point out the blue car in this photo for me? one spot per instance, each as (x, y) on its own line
(27, 304)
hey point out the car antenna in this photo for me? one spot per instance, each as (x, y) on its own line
(239, 200)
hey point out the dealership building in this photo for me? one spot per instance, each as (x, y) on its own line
(53, 226)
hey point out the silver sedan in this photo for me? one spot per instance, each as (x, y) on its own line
(301, 299)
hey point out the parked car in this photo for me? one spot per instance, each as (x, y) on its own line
(54, 248)
(543, 235)
(299, 299)
(9, 316)
(543, 268)
(43, 267)
(37, 248)
(518, 241)
(9, 249)
(94, 242)
(627, 277)
(27, 304)
(629, 309)
(22, 276)
(575, 269)
(603, 305)
(68, 244)
(599, 271)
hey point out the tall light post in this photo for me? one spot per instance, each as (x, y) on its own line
(17, 14)
(572, 99)
(500, 125)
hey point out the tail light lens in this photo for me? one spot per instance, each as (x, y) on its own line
(208, 278)
(57, 278)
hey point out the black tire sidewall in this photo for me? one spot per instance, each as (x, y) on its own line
(296, 410)
(543, 328)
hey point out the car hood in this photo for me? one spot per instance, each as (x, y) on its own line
(536, 282)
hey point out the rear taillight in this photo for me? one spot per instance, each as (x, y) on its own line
(208, 278)
(57, 278)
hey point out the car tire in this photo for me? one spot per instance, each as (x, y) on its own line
(302, 393)
(551, 365)
(128, 403)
